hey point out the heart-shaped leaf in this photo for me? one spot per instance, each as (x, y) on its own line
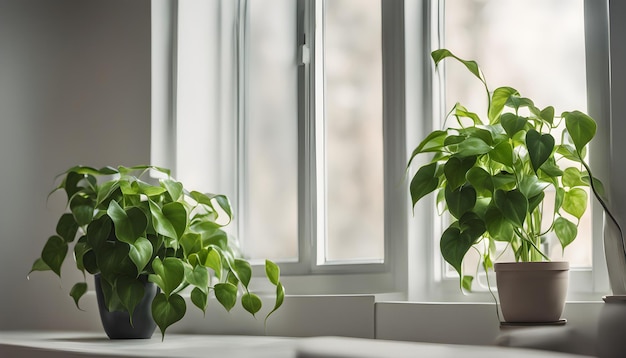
(454, 246)
(199, 277)
(108, 191)
(575, 202)
(433, 142)
(272, 271)
(162, 225)
(98, 231)
(472, 225)
(167, 311)
(573, 177)
(82, 208)
(226, 294)
(547, 114)
(199, 298)
(77, 291)
(513, 205)
(565, 231)
(581, 129)
(174, 188)
(81, 247)
(224, 204)
(67, 227)
(424, 182)
(150, 190)
(201, 198)
(140, 253)
(462, 112)
(539, 146)
(516, 102)
(499, 228)
(243, 271)
(472, 146)
(472, 66)
(530, 186)
(177, 215)
(480, 180)
(455, 170)
(39, 265)
(498, 100)
(251, 302)
(125, 227)
(214, 261)
(480, 133)
(191, 243)
(168, 274)
(70, 183)
(460, 200)
(54, 252)
(512, 123)
(502, 153)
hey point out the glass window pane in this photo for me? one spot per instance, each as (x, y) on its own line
(353, 120)
(271, 137)
(535, 46)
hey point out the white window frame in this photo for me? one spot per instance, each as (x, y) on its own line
(307, 276)
(413, 266)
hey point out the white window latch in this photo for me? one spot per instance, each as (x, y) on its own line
(304, 55)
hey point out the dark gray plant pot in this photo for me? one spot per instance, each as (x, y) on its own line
(117, 324)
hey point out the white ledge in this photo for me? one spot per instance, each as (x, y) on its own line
(74, 345)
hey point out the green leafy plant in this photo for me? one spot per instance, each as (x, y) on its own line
(491, 173)
(122, 227)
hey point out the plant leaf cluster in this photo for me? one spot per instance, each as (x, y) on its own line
(122, 227)
(491, 174)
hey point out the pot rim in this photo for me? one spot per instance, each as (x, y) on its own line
(532, 266)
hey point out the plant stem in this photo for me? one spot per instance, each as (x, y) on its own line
(604, 204)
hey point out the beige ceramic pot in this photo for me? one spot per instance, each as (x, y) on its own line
(532, 292)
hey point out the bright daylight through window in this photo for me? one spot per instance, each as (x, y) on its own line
(294, 102)
(536, 46)
(350, 147)
(353, 122)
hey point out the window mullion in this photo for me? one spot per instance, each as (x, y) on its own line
(306, 135)
(241, 75)
(318, 148)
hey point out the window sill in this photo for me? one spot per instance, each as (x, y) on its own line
(74, 345)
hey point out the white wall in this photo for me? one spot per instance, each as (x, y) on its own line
(74, 89)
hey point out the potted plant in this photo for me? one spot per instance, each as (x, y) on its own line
(145, 243)
(491, 174)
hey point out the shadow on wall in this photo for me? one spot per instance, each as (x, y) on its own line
(75, 89)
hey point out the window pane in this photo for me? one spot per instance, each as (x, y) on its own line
(353, 120)
(535, 46)
(270, 142)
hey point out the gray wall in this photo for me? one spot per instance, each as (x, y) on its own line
(74, 89)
